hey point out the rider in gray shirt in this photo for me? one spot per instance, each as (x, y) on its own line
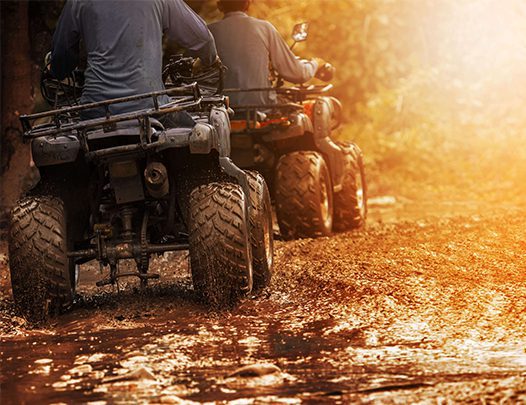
(123, 40)
(246, 45)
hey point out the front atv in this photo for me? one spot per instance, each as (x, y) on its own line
(318, 185)
(125, 187)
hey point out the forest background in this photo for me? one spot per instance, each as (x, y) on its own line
(432, 89)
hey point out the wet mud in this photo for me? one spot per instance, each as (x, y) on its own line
(426, 304)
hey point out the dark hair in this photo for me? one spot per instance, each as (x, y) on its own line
(228, 6)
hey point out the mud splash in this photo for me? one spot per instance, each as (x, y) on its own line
(397, 313)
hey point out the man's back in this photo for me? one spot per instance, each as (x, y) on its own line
(247, 46)
(123, 40)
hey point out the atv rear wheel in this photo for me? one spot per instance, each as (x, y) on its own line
(350, 204)
(220, 254)
(304, 204)
(261, 238)
(41, 273)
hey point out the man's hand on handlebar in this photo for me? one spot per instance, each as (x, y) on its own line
(198, 67)
(325, 72)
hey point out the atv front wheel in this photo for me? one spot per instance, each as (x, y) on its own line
(220, 254)
(350, 204)
(304, 204)
(41, 272)
(261, 238)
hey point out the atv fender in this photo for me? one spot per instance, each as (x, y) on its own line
(299, 124)
(240, 176)
(323, 111)
(220, 120)
(203, 139)
(213, 136)
(49, 150)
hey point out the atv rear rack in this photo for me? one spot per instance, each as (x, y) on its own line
(297, 93)
(187, 97)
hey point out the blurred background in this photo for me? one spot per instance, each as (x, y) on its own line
(432, 89)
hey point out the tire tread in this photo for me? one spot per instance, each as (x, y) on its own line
(297, 205)
(219, 250)
(39, 265)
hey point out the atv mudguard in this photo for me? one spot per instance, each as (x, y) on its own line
(213, 136)
(323, 112)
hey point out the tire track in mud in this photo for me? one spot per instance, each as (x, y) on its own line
(430, 308)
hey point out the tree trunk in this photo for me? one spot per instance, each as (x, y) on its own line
(17, 99)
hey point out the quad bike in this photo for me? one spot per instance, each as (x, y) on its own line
(125, 187)
(318, 185)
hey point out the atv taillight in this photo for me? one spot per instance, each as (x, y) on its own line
(308, 108)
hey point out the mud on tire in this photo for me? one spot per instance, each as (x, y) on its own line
(261, 238)
(40, 268)
(304, 204)
(220, 254)
(350, 204)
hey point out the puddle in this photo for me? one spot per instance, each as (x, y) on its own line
(341, 324)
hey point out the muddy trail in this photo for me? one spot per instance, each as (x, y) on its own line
(428, 303)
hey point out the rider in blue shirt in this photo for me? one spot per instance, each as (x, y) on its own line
(123, 40)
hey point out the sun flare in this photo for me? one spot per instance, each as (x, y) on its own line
(480, 40)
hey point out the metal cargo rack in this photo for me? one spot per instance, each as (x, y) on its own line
(298, 93)
(185, 97)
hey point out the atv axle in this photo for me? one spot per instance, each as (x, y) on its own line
(126, 251)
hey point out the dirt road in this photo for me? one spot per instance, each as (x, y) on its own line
(428, 303)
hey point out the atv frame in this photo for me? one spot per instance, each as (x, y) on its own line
(149, 190)
(288, 145)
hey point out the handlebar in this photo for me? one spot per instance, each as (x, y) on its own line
(189, 97)
(310, 89)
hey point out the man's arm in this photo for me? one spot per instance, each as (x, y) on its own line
(66, 39)
(189, 30)
(285, 62)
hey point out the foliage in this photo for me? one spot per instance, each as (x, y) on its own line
(430, 89)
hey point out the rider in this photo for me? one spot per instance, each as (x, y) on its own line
(246, 45)
(123, 41)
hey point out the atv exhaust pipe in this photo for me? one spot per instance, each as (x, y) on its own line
(156, 180)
